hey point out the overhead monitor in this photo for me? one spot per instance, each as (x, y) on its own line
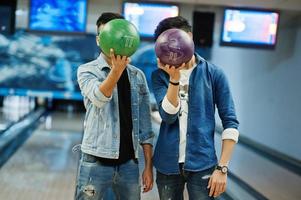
(58, 15)
(249, 28)
(146, 16)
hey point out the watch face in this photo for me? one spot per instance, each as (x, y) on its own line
(224, 170)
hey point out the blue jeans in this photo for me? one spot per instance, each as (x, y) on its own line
(94, 179)
(171, 187)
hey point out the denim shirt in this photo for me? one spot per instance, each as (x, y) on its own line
(208, 88)
(101, 126)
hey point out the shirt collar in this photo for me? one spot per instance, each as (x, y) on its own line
(102, 63)
(198, 59)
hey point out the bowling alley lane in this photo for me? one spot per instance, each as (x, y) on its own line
(14, 109)
(45, 167)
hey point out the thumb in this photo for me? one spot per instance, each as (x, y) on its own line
(143, 180)
(209, 182)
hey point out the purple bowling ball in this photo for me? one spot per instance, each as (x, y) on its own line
(174, 47)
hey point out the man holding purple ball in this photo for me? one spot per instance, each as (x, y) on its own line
(187, 95)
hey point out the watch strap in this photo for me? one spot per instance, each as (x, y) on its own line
(173, 83)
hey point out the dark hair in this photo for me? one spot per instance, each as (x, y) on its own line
(172, 22)
(106, 17)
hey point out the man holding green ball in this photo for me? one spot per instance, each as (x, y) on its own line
(116, 99)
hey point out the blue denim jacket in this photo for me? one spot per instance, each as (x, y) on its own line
(101, 126)
(208, 87)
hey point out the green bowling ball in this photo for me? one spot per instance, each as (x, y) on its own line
(120, 35)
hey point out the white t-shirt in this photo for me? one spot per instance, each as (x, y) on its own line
(183, 114)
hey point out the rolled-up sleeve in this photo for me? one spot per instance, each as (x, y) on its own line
(169, 108)
(148, 141)
(230, 134)
(89, 85)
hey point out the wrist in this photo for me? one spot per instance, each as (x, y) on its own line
(222, 168)
(148, 167)
(223, 163)
(116, 72)
(174, 80)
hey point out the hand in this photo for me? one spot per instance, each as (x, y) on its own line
(118, 63)
(147, 179)
(172, 71)
(217, 183)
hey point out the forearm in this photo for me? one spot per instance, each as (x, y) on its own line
(109, 83)
(148, 153)
(227, 149)
(172, 94)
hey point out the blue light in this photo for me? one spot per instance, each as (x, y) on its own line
(58, 15)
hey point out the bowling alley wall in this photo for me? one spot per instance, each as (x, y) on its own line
(265, 83)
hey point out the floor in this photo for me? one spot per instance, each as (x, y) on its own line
(45, 167)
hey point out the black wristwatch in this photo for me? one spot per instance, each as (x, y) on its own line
(173, 83)
(223, 169)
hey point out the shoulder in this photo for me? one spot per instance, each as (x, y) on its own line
(135, 70)
(211, 69)
(87, 66)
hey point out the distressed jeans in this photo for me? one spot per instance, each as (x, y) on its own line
(94, 179)
(171, 187)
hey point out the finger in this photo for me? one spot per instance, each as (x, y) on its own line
(212, 188)
(172, 67)
(146, 185)
(224, 187)
(128, 60)
(209, 182)
(151, 186)
(118, 57)
(147, 188)
(182, 66)
(217, 189)
(123, 58)
(112, 55)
